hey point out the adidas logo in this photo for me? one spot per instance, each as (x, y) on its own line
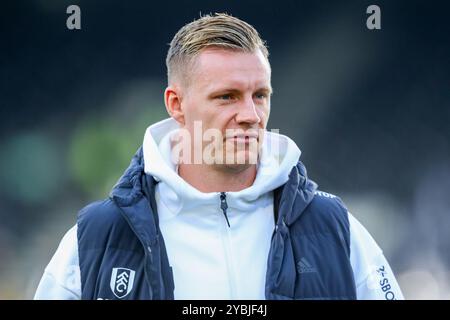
(303, 266)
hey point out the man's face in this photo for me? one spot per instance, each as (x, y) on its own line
(230, 91)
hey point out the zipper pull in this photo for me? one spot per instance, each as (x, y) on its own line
(224, 206)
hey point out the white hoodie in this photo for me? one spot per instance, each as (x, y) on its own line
(209, 259)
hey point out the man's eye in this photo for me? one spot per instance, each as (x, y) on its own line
(225, 97)
(260, 95)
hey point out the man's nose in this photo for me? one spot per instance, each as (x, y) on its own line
(247, 112)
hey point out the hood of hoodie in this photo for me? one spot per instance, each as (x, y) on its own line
(278, 157)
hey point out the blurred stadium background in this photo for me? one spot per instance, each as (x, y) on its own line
(369, 109)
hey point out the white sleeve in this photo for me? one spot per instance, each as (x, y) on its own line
(374, 278)
(61, 279)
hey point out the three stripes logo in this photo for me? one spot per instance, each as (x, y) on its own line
(122, 280)
(303, 266)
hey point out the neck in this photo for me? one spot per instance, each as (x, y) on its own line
(207, 178)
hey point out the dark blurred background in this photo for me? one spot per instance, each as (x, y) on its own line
(370, 110)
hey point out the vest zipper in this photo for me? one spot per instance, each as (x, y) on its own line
(224, 206)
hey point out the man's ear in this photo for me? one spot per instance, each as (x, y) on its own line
(172, 99)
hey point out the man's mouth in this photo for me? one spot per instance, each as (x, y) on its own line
(242, 137)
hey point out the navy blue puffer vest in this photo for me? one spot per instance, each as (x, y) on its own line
(123, 256)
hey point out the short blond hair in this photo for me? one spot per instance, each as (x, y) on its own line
(219, 30)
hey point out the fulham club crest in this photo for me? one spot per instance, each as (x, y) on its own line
(122, 280)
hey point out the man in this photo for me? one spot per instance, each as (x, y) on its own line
(233, 216)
